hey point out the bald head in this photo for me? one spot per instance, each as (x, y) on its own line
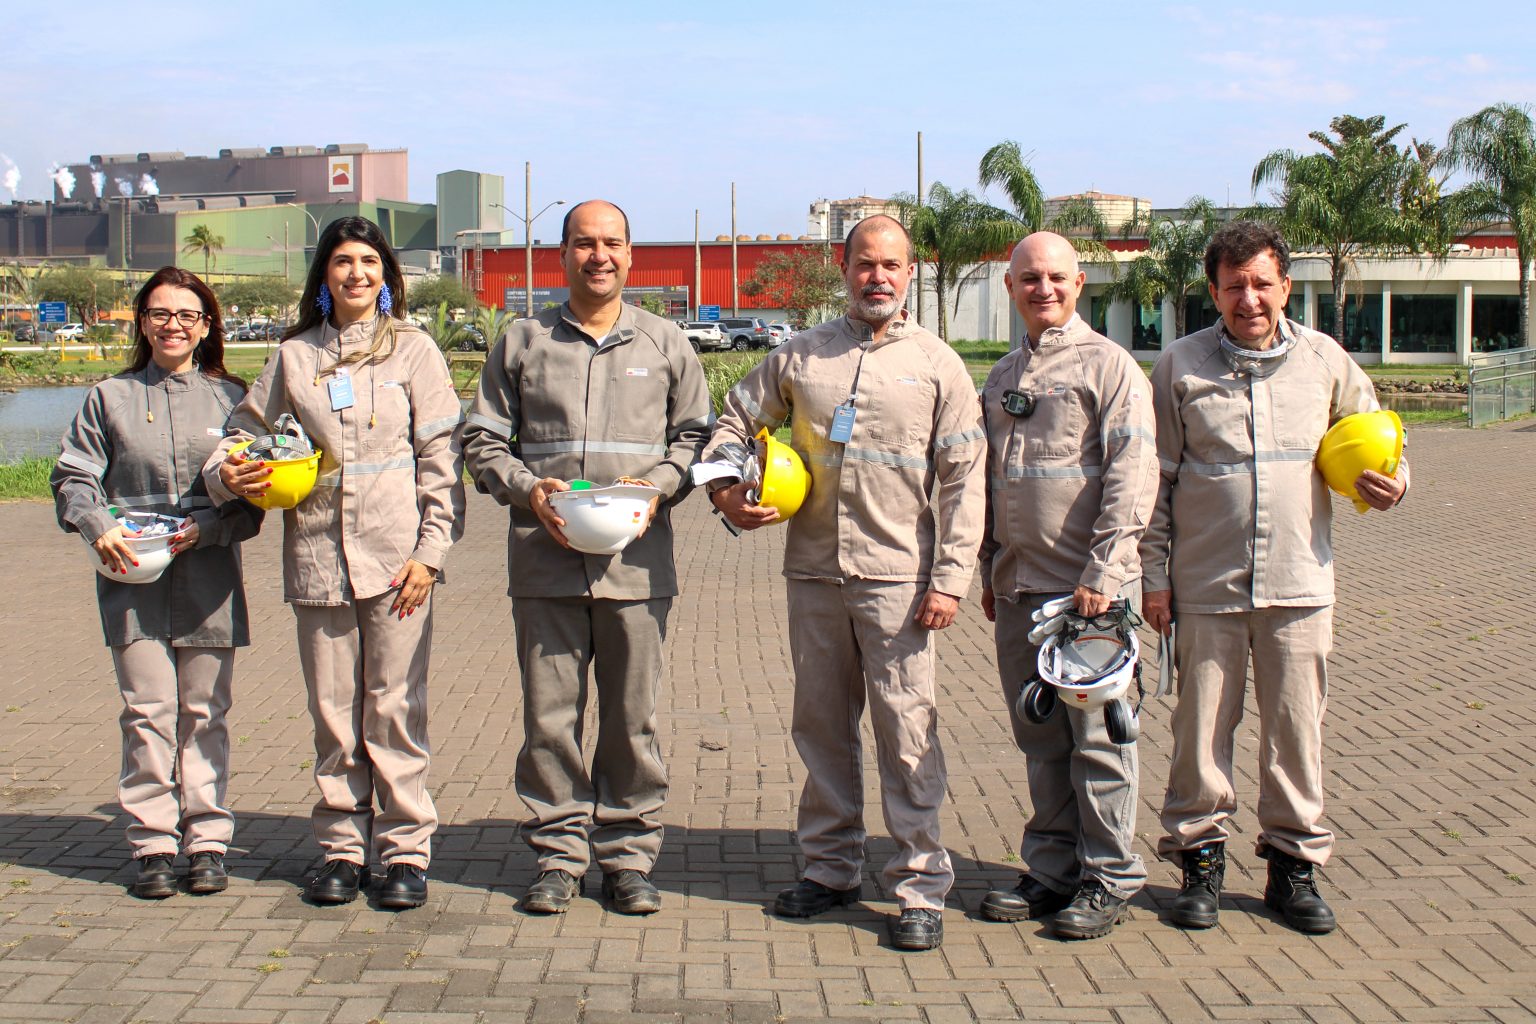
(592, 206)
(1044, 281)
(880, 222)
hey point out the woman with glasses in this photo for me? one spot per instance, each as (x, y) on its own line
(138, 445)
(362, 552)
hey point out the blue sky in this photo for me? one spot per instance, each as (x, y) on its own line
(661, 106)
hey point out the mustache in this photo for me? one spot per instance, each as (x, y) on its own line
(874, 290)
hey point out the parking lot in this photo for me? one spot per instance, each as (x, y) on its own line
(1430, 766)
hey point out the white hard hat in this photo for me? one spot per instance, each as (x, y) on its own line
(153, 553)
(1089, 665)
(603, 520)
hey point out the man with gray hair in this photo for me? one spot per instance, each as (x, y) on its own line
(878, 558)
(1073, 475)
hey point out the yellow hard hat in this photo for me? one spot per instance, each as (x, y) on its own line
(783, 481)
(1356, 443)
(291, 480)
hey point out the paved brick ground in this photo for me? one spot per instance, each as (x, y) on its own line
(1430, 769)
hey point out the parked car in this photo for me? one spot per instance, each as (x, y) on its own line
(781, 332)
(69, 332)
(471, 339)
(24, 332)
(705, 335)
(747, 332)
(258, 332)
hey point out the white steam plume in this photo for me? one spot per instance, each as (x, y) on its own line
(12, 177)
(124, 187)
(99, 181)
(63, 178)
(148, 185)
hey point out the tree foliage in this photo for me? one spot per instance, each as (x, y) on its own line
(1361, 195)
(87, 290)
(1173, 265)
(267, 295)
(1078, 220)
(805, 282)
(444, 330)
(956, 232)
(1497, 147)
(201, 239)
(431, 292)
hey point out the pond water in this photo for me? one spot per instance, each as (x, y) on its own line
(1432, 402)
(33, 419)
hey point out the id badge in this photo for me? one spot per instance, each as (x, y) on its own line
(340, 387)
(842, 424)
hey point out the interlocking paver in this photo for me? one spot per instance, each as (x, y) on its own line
(1432, 786)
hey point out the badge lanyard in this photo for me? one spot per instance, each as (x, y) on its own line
(844, 415)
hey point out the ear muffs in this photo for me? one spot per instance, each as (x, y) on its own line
(1123, 725)
(1036, 702)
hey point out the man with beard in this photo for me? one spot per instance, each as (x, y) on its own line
(878, 557)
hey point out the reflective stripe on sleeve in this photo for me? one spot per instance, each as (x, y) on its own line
(961, 438)
(83, 464)
(501, 428)
(590, 447)
(427, 430)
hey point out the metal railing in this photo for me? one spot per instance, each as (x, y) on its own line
(1501, 385)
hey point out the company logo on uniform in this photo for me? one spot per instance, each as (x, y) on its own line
(1056, 389)
(907, 380)
(637, 371)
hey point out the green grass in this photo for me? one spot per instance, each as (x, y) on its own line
(1431, 416)
(26, 480)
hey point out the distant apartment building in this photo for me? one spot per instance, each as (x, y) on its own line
(831, 220)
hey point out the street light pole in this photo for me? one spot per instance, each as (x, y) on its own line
(312, 219)
(528, 218)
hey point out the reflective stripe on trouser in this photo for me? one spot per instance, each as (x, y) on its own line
(855, 642)
(1289, 651)
(1082, 785)
(175, 746)
(366, 669)
(613, 814)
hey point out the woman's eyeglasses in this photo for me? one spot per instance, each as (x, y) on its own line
(184, 317)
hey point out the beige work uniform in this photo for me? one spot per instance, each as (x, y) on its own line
(1070, 489)
(1241, 536)
(866, 545)
(555, 403)
(389, 490)
(139, 443)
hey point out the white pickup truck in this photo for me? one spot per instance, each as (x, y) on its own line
(705, 335)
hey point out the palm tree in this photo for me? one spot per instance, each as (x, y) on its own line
(1174, 263)
(202, 239)
(956, 231)
(1348, 200)
(1497, 145)
(1005, 165)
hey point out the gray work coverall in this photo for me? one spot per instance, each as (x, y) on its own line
(390, 489)
(139, 443)
(1070, 488)
(1241, 534)
(893, 512)
(553, 402)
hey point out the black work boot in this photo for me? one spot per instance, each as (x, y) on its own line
(552, 892)
(807, 899)
(917, 930)
(337, 882)
(207, 873)
(1198, 903)
(631, 892)
(405, 886)
(1025, 901)
(157, 877)
(1293, 892)
(1091, 914)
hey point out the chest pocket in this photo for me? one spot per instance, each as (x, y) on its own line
(390, 431)
(1055, 429)
(897, 410)
(637, 402)
(1298, 398)
(1218, 420)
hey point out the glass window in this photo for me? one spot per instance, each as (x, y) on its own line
(1362, 321)
(1199, 312)
(1495, 323)
(1295, 309)
(1147, 328)
(1424, 323)
(1098, 314)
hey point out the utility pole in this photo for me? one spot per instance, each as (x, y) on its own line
(735, 292)
(919, 206)
(528, 236)
(698, 268)
(285, 250)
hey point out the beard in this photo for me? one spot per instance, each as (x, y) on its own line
(877, 304)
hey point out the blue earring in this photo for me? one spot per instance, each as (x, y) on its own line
(386, 301)
(323, 300)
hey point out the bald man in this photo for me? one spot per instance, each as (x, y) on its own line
(1073, 472)
(596, 389)
(878, 558)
